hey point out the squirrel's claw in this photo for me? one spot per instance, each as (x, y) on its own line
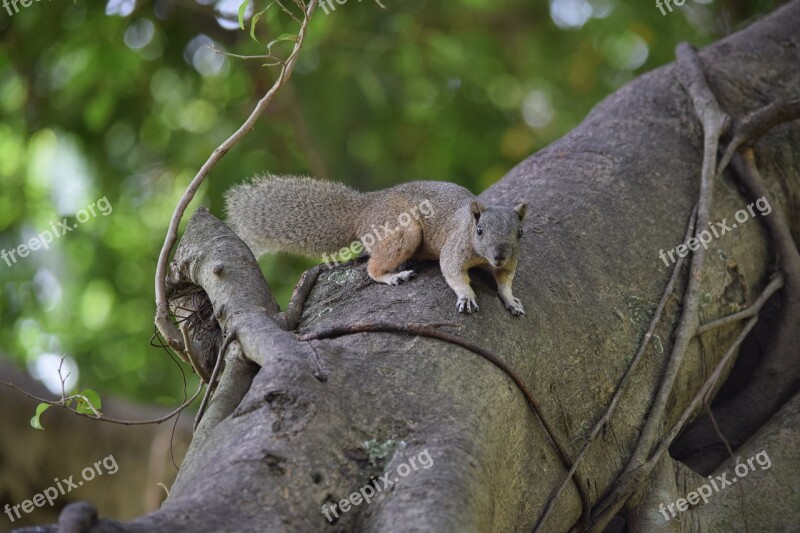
(514, 306)
(466, 304)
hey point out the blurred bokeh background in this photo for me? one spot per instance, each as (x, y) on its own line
(124, 100)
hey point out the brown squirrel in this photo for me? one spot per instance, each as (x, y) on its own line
(421, 220)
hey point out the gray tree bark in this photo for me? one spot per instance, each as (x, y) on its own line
(308, 427)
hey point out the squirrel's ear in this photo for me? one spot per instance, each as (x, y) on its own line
(521, 209)
(477, 208)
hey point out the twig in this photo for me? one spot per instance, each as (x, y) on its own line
(752, 309)
(710, 415)
(290, 318)
(159, 484)
(104, 418)
(278, 61)
(211, 382)
(65, 400)
(283, 7)
(63, 380)
(777, 223)
(705, 389)
(752, 127)
(162, 319)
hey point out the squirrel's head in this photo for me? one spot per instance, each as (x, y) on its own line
(496, 231)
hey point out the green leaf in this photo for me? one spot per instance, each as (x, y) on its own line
(285, 37)
(90, 396)
(255, 20)
(93, 397)
(35, 422)
(242, 9)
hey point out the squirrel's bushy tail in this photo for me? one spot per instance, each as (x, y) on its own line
(299, 215)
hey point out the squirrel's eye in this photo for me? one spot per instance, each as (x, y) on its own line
(479, 230)
(519, 232)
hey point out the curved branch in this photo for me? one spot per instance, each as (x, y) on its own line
(104, 418)
(162, 319)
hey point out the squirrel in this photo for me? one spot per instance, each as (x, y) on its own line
(425, 220)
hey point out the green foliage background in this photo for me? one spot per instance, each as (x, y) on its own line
(95, 104)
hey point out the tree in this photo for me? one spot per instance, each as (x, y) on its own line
(367, 380)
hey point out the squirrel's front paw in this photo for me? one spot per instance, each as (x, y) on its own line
(514, 306)
(467, 304)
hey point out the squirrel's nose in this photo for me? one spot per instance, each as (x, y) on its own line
(500, 254)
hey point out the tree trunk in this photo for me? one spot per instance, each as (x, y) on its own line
(320, 418)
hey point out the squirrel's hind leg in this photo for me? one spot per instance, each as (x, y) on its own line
(390, 252)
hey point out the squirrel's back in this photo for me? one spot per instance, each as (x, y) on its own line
(299, 215)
